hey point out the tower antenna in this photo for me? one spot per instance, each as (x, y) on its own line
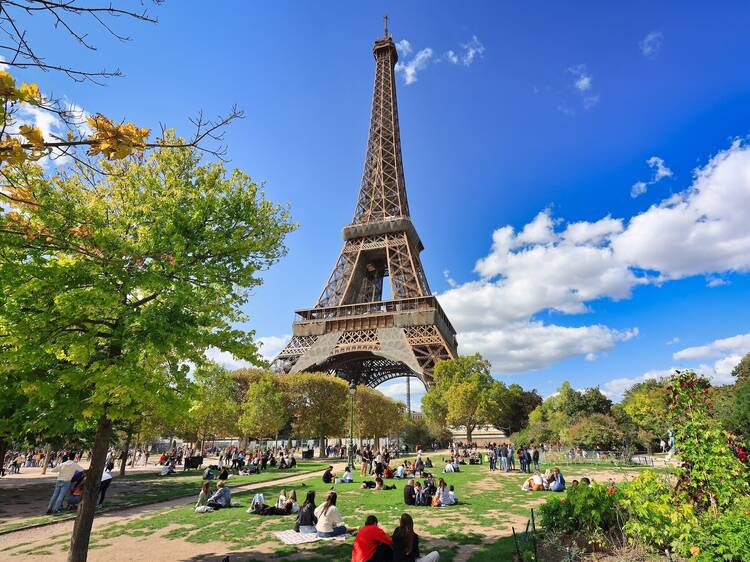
(385, 25)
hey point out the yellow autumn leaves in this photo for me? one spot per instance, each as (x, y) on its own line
(113, 141)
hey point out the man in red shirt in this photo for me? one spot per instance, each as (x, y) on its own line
(372, 544)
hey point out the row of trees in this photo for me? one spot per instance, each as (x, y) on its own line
(259, 404)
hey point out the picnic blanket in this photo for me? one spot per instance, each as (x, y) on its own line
(293, 537)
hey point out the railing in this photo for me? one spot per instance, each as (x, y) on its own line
(368, 308)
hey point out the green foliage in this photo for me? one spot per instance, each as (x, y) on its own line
(726, 537)
(646, 405)
(733, 405)
(656, 515)
(710, 473)
(596, 431)
(264, 412)
(127, 276)
(742, 369)
(461, 393)
(317, 403)
(591, 510)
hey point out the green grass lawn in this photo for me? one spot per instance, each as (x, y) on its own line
(140, 488)
(490, 503)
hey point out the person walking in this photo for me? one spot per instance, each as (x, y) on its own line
(65, 471)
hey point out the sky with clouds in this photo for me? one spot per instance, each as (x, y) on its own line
(580, 176)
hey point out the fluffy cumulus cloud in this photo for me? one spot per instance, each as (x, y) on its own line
(411, 64)
(550, 265)
(615, 389)
(270, 346)
(651, 44)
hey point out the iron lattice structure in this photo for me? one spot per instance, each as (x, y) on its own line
(352, 331)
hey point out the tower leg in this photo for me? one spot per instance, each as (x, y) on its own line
(408, 396)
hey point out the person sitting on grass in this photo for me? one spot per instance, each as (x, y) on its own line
(282, 499)
(427, 462)
(209, 473)
(449, 466)
(558, 482)
(387, 472)
(420, 497)
(406, 543)
(328, 476)
(222, 497)
(442, 497)
(410, 496)
(346, 478)
(330, 522)
(534, 483)
(452, 495)
(200, 506)
(372, 544)
(419, 467)
(287, 508)
(400, 471)
(306, 519)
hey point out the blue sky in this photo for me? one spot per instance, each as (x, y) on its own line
(562, 131)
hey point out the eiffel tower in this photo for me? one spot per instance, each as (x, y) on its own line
(352, 331)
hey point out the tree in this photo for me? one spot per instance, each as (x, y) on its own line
(459, 395)
(318, 404)
(375, 414)
(597, 431)
(508, 408)
(742, 369)
(264, 412)
(114, 282)
(646, 405)
(214, 409)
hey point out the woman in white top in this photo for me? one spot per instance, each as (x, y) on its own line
(346, 478)
(281, 502)
(330, 522)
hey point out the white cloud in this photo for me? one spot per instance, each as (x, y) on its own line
(651, 44)
(471, 50)
(396, 389)
(615, 389)
(553, 266)
(411, 68)
(736, 345)
(270, 346)
(673, 341)
(639, 188)
(583, 82)
(226, 359)
(660, 171)
(404, 48)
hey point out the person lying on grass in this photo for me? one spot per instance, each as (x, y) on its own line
(287, 508)
(377, 485)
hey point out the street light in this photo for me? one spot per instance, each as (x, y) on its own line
(352, 392)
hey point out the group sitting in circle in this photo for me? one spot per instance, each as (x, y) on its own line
(552, 481)
(430, 494)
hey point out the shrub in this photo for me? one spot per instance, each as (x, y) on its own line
(589, 510)
(597, 431)
(656, 516)
(726, 537)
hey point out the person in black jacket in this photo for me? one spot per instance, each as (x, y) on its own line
(410, 496)
(306, 519)
(406, 543)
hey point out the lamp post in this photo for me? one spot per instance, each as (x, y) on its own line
(352, 392)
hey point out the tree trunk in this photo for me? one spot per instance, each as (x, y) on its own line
(128, 437)
(47, 454)
(3, 450)
(132, 457)
(79, 540)
(469, 431)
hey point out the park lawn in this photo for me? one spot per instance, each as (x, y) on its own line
(489, 505)
(141, 488)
